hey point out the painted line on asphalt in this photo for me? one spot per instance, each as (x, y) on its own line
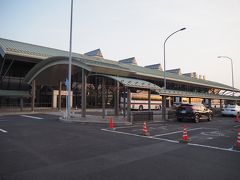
(137, 125)
(172, 141)
(176, 132)
(2, 130)
(138, 135)
(33, 117)
(213, 147)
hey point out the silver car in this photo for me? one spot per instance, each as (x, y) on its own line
(230, 110)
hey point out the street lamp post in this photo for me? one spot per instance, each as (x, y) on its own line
(69, 67)
(226, 57)
(164, 72)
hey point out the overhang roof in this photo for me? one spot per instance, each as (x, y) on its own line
(133, 83)
(89, 65)
(100, 65)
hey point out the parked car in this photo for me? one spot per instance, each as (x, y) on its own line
(195, 112)
(230, 110)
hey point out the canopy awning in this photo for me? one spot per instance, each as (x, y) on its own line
(133, 83)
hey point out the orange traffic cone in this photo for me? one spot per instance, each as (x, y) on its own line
(145, 131)
(111, 123)
(237, 118)
(185, 138)
(237, 145)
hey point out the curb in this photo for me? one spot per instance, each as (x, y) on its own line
(61, 119)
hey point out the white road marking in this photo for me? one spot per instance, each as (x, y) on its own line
(175, 132)
(33, 117)
(138, 135)
(2, 130)
(212, 133)
(213, 147)
(172, 141)
(137, 125)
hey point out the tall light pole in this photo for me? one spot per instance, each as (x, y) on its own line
(164, 72)
(70, 66)
(226, 57)
(164, 46)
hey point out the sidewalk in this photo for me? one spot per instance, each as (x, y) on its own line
(96, 119)
(93, 116)
(90, 117)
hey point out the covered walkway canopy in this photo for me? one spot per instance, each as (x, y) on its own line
(133, 83)
(54, 70)
(128, 83)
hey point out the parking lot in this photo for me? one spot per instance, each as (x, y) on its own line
(219, 134)
(40, 146)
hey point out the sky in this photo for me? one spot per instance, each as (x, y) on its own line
(135, 28)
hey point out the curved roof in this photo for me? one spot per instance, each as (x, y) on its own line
(40, 67)
(61, 72)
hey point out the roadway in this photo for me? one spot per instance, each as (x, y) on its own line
(40, 146)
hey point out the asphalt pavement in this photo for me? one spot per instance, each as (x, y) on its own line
(39, 146)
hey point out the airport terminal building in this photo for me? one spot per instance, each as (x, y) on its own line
(34, 76)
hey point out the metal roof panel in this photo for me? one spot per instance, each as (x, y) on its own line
(40, 52)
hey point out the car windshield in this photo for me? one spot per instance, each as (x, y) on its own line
(186, 107)
(231, 106)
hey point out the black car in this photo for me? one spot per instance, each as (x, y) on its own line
(193, 112)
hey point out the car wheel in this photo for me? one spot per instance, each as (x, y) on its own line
(140, 108)
(197, 117)
(210, 117)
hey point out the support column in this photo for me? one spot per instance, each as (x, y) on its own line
(189, 100)
(124, 102)
(170, 102)
(164, 108)
(116, 99)
(103, 98)
(209, 103)
(129, 104)
(149, 100)
(33, 95)
(96, 90)
(60, 96)
(21, 104)
(84, 93)
(221, 105)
